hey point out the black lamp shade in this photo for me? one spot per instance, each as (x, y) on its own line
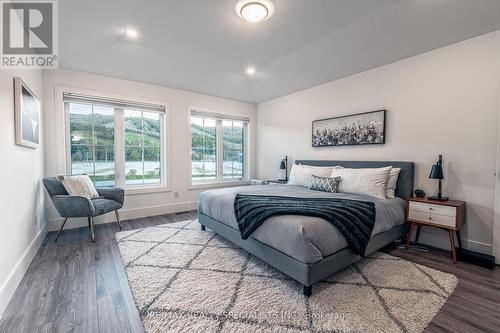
(436, 172)
(283, 165)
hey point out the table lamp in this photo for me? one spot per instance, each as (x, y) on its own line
(437, 173)
(284, 166)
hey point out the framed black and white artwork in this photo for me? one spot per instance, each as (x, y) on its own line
(27, 115)
(356, 129)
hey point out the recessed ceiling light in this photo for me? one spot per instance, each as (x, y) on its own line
(251, 71)
(254, 10)
(131, 33)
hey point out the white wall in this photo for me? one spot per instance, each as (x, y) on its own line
(178, 101)
(442, 102)
(22, 223)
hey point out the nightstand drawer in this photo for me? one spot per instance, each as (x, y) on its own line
(434, 209)
(446, 221)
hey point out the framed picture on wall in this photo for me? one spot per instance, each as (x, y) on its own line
(27, 115)
(357, 129)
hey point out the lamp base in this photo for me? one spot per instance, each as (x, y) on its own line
(438, 198)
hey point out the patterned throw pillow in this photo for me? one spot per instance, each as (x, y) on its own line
(324, 184)
(80, 185)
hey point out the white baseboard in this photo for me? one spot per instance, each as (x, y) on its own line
(440, 239)
(16, 275)
(125, 214)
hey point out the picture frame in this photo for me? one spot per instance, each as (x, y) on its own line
(366, 128)
(27, 115)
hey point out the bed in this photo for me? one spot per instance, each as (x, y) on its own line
(308, 249)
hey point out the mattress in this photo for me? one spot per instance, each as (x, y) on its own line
(307, 239)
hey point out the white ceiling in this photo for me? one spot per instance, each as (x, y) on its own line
(202, 46)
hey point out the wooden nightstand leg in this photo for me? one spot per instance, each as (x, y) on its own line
(452, 244)
(459, 239)
(418, 233)
(408, 240)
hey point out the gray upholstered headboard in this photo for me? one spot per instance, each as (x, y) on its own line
(404, 187)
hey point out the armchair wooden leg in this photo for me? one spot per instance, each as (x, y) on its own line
(92, 229)
(118, 219)
(60, 230)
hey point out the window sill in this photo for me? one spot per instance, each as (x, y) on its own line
(146, 189)
(200, 186)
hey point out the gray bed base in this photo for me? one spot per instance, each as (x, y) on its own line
(308, 274)
(305, 274)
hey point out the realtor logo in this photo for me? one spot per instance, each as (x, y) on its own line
(29, 34)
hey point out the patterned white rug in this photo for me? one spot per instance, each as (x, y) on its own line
(187, 280)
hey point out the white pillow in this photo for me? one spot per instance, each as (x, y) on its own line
(80, 185)
(390, 191)
(371, 181)
(301, 174)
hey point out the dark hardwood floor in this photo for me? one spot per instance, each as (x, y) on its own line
(75, 285)
(474, 306)
(78, 286)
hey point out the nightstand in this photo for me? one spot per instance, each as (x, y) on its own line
(278, 181)
(447, 215)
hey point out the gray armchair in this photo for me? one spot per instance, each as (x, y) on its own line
(110, 199)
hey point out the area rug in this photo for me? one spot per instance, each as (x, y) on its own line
(187, 280)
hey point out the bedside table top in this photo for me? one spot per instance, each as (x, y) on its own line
(452, 203)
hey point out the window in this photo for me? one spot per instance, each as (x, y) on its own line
(233, 151)
(218, 150)
(115, 142)
(142, 147)
(203, 149)
(92, 142)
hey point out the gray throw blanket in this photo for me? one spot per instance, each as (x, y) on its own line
(354, 219)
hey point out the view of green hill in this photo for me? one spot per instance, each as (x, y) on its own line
(144, 132)
(136, 130)
(204, 139)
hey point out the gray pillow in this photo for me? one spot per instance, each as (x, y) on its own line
(324, 184)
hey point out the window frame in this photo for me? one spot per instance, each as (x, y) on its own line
(220, 180)
(119, 132)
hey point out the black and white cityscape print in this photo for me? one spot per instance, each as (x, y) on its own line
(357, 129)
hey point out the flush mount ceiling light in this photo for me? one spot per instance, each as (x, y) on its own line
(254, 10)
(131, 33)
(251, 71)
